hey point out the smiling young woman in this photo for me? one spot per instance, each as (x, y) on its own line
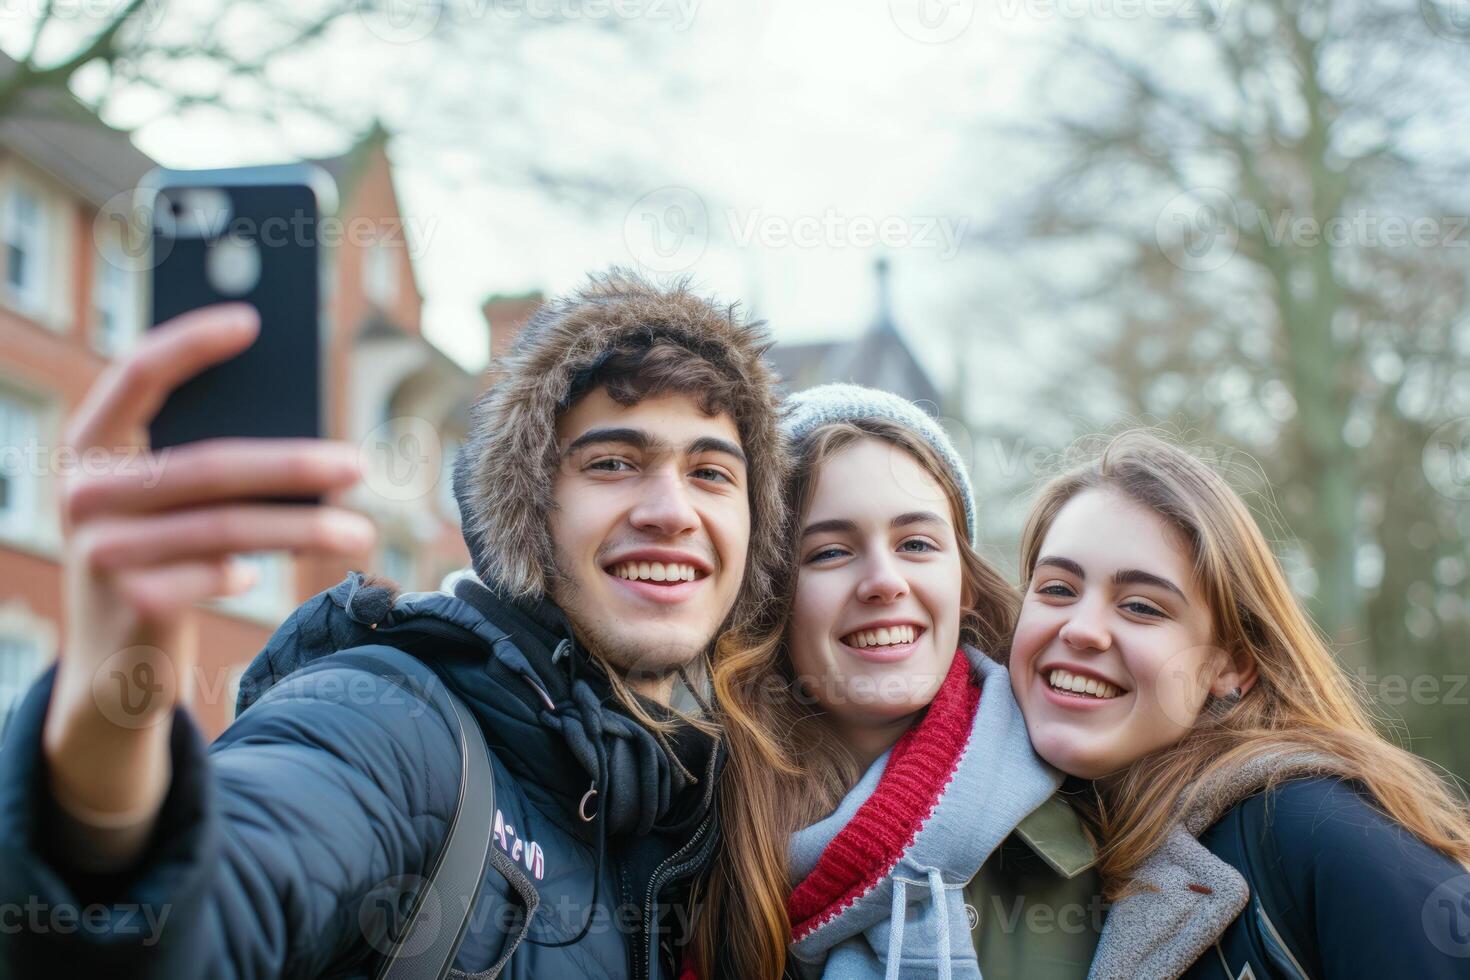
(1251, 819)
(877, 757)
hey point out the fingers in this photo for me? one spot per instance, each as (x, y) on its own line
(160, 594)
(214, 533)
(212, 471)
(129, 393)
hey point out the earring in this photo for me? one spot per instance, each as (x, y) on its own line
(1234, 696)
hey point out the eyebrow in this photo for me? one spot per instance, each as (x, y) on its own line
(1065, 564)
(1134, 576)
(640, 440)
(1123, 576)
(842, 525)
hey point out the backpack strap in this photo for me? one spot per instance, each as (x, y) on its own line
(1277, 929)
(440, 917)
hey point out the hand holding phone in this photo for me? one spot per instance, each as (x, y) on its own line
(145, 539)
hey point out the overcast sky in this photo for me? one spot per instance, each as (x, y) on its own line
(772, 150)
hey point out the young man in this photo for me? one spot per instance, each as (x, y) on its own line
(620, 495)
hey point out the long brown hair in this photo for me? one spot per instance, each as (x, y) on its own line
(786, 768)
(1302, 700)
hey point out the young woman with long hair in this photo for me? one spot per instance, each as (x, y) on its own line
(877, 759)
(1251, 821)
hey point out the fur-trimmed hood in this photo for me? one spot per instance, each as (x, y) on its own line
(505, 472)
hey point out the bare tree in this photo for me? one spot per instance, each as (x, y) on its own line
(1274, 203)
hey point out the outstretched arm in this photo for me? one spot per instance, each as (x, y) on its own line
(285, 849)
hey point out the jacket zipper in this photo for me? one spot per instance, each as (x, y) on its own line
(661, 875)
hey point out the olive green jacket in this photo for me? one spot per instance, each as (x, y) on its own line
(1036, 906)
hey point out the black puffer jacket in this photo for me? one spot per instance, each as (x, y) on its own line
(281, 845)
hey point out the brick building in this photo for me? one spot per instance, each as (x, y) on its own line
(69, 302)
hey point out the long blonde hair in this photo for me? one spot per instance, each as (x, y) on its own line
(786, 767)
(1301, 700)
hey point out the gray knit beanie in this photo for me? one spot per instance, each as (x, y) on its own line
(805, 411)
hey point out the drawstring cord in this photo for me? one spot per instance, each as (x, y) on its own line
(596, 867)
(596, 791)
(897, 913)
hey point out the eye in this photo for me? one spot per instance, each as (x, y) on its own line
(712, 474)
(923, 546)
(1142, 608)
(826, 554)
(1054, 588)
(610, 464)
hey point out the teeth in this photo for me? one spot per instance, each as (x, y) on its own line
(654, 571)
(1064, 680)
(883, 636)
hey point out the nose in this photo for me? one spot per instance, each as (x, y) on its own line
(664, 506)
(1086, 629)
(881, 581)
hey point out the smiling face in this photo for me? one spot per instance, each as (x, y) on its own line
(650, 527)
(1113, 656)
(876, 616)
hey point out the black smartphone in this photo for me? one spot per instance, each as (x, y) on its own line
(247, 234)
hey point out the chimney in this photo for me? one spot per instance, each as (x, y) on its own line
(505, 316)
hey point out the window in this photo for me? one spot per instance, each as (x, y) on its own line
(380, 274)
(17, 481)
(25, 249)
(115, 300)
(20, 662)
